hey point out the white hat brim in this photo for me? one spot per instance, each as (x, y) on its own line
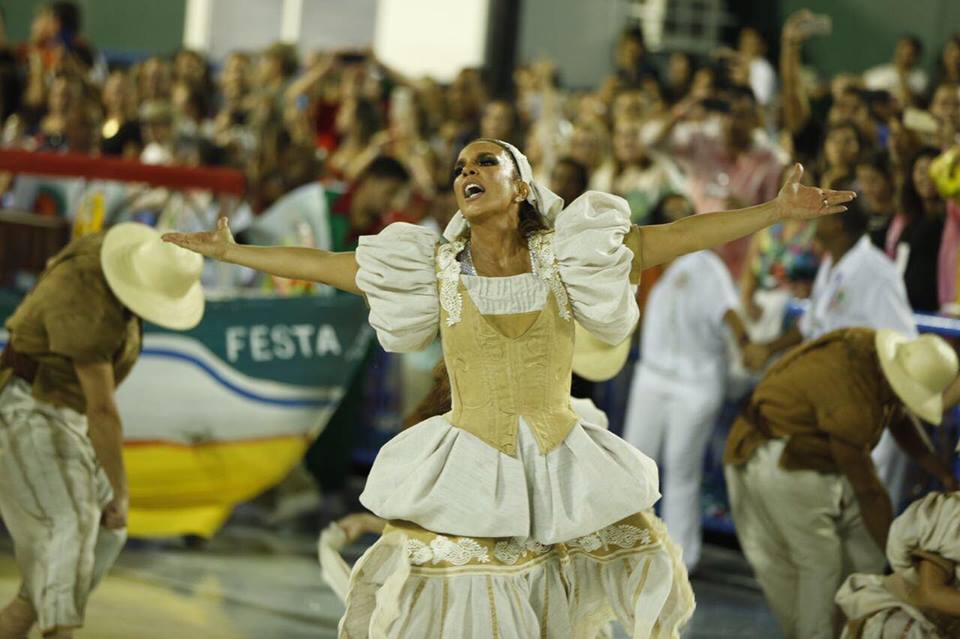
(596, 361)
(116, 259)
(927, 405)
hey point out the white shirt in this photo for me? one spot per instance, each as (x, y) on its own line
(683, 329)
(864, 289)
(886, 78)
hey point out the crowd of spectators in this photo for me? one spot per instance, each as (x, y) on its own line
(718, 131)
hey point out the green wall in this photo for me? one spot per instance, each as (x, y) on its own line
(149, 26)
(865, 31)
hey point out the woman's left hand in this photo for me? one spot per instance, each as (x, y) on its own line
(798, 202)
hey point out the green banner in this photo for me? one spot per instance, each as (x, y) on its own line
(301, 341)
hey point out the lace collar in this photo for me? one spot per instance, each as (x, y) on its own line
(450, 267)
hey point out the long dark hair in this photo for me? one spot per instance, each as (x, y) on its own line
(530, 220)
(911, 204)
(837, 126)
(438, 400)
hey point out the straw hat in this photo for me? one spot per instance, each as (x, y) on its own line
(595, 360)
(918, 370)
(158, 281)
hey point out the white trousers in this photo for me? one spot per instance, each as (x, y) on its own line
(671, 422)
(803, 534)
(52, 494)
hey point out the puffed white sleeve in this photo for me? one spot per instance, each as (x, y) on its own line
(594, 264)
(398, 278)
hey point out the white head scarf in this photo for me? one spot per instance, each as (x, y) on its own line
(547, 203)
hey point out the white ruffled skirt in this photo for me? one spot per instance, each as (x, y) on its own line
(554, 545)
(446, 479)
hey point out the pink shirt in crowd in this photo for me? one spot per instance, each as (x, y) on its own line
(718, 179)
(947, 259)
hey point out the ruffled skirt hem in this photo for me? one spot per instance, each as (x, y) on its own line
(416, 584)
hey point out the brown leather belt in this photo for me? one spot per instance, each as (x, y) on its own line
(21, 365)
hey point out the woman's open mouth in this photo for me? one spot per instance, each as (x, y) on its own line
(472, 191)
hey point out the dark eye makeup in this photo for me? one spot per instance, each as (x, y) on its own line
(484, 159)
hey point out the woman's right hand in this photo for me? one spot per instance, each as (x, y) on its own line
(213, 244)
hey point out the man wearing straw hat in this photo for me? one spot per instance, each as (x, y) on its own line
(807, 502)
(73, 339)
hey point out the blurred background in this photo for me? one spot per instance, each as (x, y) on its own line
(312, 122)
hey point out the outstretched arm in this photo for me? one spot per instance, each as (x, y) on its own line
(292, 262)
(664, 242)
(796, 103)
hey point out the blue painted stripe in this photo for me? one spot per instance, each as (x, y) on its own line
(941, 325)
(226, 383)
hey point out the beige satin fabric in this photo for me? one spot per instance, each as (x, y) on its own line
(494, 379)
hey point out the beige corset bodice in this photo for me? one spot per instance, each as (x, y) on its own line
(496, 379)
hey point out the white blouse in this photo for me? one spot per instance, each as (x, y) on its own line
(398, 274)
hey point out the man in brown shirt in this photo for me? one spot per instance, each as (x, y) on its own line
(807, 502)
(73, 339)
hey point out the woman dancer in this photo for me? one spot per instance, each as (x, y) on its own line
(509, 517)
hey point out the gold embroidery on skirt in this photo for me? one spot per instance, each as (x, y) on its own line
(546, 609)
(429, 552)
(493, 608)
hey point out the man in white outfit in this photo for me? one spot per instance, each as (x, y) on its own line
(679, 385)
(856, 286)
